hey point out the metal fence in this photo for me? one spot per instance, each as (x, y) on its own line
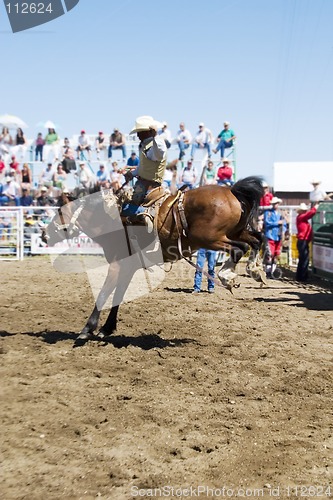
(21, 230)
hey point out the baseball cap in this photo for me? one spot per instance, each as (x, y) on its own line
(83, 131)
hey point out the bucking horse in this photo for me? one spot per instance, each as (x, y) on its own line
(212, 217)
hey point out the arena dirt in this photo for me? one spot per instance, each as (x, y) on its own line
(193, 390)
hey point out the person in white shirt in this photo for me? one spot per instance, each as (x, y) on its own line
(83, 145)
(318, 194)
(184, 139)
(10, 192)
(165, 133)
(188, 176)
(46, 178)
(202, 140)
(87, 179)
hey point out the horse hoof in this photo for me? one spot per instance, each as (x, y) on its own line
(84, 336)
(101, 335)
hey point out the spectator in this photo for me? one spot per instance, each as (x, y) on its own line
(170, 176)
(26, 176)
(202, 256)
(188, 176)
(266, 199)
(59, 180)
(6, 220)
(5, 138)
(117, 141)
(20, 143)
(184, 139)
(44, 200)
(150, 172)
(14, 166)
(6, 142)
(274, 227)
(209, 175)
(103, 179)
(304, 236)
(86, 177)
(51, 145)
(133, 161)
(68, 161)
(225, 139)
(39, 146)
(202, 140)
(26, 199)
(116, 176)
(2, 166)
(224, 173)
(165, 134)
(318, 194)
(100, 144)
(10, 192)
(83, 146)
(46, 177)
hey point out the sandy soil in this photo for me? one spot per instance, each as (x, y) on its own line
(193, 390)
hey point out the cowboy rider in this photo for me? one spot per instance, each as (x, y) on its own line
(150, 171)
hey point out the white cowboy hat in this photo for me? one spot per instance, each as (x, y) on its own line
(276, 200)
(143, 123)
(225, 160)
(302, 208)
(315, 181)
(226, 123)
(264, 184)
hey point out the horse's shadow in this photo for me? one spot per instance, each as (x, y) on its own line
(144, 341)
(178, 290)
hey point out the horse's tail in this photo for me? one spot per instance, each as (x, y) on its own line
(248, 191)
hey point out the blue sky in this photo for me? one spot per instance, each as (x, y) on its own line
(264, 65)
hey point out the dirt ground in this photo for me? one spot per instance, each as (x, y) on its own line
(193, 391)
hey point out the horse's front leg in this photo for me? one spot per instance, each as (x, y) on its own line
(109, 284)
(125, 276)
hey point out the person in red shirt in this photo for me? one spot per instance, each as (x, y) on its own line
(15, 165)
(2, 166)
(304, 236)
(266, 199)
(224, 174)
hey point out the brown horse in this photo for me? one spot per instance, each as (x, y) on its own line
(211, 217)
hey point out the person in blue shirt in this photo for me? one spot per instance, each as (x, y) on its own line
(202, 256)
(103, 178)
(133, 160)
(26, 199)
(274, 228)
(226, 139)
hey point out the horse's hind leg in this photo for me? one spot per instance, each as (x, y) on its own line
(227, 273)
(254, 266)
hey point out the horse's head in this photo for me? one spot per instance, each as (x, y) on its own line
(64, 224)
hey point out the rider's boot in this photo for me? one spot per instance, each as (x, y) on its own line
(141, 219)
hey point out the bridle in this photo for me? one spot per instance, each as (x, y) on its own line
(70, 227)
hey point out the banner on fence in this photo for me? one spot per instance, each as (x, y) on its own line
(81, 244)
